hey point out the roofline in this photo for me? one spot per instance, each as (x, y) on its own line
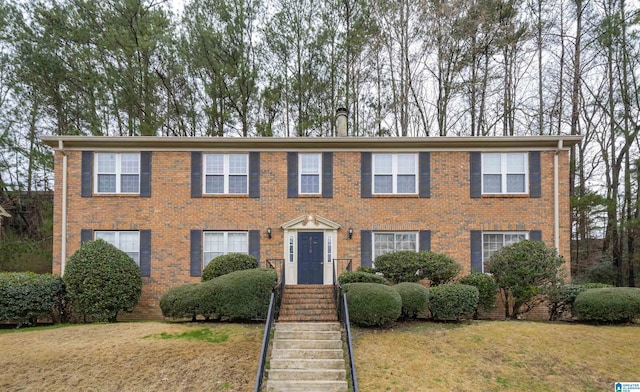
(308, 143)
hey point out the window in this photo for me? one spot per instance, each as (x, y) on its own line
(310, 178)
(329, 248)
(226, 173)
(291, 249)
(504, 173)
(391, 242)
(117, 173)
(395, 173)
(218, 243)
(492, 242)
(126, 241)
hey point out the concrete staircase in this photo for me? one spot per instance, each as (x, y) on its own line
(307, 357)
(308, 303)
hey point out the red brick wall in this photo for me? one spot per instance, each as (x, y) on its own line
(171, 213)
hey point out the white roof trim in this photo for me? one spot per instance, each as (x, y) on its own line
(310, 222)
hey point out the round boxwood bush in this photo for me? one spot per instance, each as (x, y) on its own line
(372, 304)
(415, 299)
(440, 268)
(102, 280)
(238, 296)
(25, 296)
(402, 266)
(360, 277)
(487, 288)
(617, 304)
(182, 301)
(453, 301)
(225, 264)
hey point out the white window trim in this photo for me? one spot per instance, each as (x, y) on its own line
(226, 174)
(319, 155)
(226, 243)
(291, 249)
(118, 173)
(503, 173)
(373, 242)
(525, 233)
(394, 174)
(117, 239)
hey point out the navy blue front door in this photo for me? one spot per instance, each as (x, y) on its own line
(310, 269)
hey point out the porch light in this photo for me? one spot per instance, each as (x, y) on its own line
(269, 232)
(350, 232)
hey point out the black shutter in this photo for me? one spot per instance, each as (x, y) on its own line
(145, 174)
(425, 240)
(254, 244)
(86, 188)
(145, 252)
(327, 174)
(196, 175)
(292, 174)
(254, 174)
(535, 235)
(365, 174)
(476, 250)
(85, 235)
(196, 253)
(535, 175)
(365, 248)
(425, 174)
(475, 172)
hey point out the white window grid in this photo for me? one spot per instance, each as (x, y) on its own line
(493, 241)
(385, 242)
(310, 173)
(509, 166)
(217, 243)
(329, 248)
(399, 167)
(126, 241)
(291, 248)
(119, 172)
(229, 170)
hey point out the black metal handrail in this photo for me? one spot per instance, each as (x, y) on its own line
(343, 315)
(275, 300)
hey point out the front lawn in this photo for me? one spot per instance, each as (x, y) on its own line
(149, 356)
(497, 356)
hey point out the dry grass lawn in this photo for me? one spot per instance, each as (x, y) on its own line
(118, 357)
(497, 356)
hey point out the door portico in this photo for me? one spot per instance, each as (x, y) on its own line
(310, 245)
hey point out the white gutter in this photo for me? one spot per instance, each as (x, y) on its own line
(556, 197)
(63, 248)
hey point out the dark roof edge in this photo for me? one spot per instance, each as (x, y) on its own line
(335, 143)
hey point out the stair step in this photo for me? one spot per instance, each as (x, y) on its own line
(308, 374)
(307, 344)
(308, 327)
(297, 353)
(306, 364)
(307, 386)
(312, 317)
(308, 335)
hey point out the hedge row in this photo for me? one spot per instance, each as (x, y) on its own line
(615, 304)
(25, 296)
(410, 266)
(238, 296)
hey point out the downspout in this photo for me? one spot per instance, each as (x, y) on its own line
(556, 198)
(63, 247)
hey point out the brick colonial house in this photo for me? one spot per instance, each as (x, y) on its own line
(175, 203)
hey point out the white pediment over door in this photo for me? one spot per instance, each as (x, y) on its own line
(310, 222)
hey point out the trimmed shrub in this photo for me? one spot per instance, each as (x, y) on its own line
(225, 264)
(453, 301)
(238, 296)
(182, 301)
(440, 268)
(525, 272)
(561, 298)
(402, 266)
(102, 280)
(360, 277)
(415, 299)
(616, 304)
(366, 269)
(487, 288)
(25, 296)
(372, 304)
